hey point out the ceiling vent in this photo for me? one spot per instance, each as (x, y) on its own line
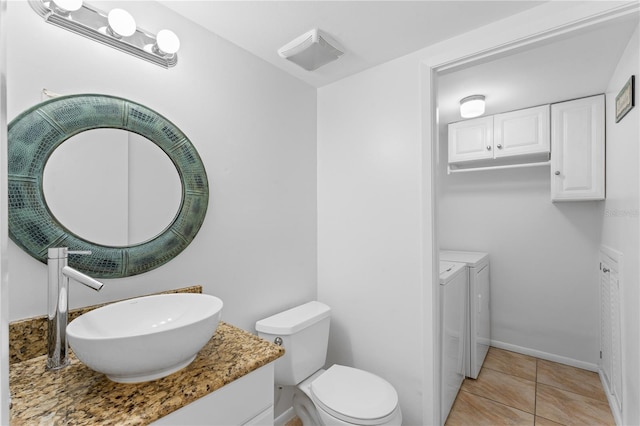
(311, 50)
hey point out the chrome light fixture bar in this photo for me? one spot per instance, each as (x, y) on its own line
(116, 29)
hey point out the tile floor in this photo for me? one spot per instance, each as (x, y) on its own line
(516, 389)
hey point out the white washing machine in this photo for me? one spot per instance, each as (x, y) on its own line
(453, 325)
(479, 327)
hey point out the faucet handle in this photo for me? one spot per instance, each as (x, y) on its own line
(79, 252)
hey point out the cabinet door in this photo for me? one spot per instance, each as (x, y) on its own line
(242, 401)
(521, 132)
(577, 149)
(471, 140)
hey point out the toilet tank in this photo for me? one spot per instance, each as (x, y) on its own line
(304, 331)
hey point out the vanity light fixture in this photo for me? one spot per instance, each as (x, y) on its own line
(66, 6)
(472, 106)
(121, 23)
(167, 43)
(116, 29)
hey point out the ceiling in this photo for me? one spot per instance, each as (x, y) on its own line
(576, 65)
(372, 32)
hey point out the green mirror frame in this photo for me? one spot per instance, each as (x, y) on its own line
(37, 132)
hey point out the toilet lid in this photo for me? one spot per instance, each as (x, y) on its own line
(354, 395)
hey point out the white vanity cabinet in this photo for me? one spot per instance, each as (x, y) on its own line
(245, 401)
(515, 134)
(578, 149)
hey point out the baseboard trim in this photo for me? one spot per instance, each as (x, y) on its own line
(545, 355)
(285, 417)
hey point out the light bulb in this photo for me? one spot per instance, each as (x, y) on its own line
(472, 106)
(167, 42)
(121, 23)
(66, 6)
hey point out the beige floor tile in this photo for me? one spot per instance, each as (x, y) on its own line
(541, 421)
(294, 422)
(572, 379)
(473, 410)
(510, 390)
(511, 363)
(570, 408)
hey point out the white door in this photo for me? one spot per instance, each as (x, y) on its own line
(605, 323)
(522, 132)
(616, 344)
(577, 149)
(471, 140)
(610, 324)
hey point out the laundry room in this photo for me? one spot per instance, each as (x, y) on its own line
(544, 248)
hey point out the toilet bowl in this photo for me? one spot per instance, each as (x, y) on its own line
(346, 396)
(340, 395)
(303, 406)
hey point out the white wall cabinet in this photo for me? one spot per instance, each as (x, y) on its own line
(522, 132)
(578, 149)
(509, 135)
(245, 401)
(471, 140)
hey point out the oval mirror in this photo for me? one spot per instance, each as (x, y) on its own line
(35, 135)
(118, 179)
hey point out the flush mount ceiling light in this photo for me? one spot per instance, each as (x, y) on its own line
(472, 106)
(311, 50)
(116, 29)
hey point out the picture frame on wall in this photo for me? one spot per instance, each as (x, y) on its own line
(625, 99)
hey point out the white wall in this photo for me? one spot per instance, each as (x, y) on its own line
(544, 257)
(620, 229)
(255, 129)
(374, 171)
(368, 216)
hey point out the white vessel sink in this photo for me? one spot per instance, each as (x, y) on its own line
(145, 338)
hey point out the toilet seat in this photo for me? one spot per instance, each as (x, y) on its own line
(355, 396)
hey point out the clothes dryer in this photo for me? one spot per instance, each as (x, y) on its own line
(479, 326)
(453, 335)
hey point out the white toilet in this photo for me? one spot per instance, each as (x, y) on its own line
(337, 396)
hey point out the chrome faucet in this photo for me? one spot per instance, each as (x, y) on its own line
(58, 302)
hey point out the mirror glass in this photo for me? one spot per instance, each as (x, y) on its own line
(96, 186)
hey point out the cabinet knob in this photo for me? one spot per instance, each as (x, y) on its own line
(605, 270)
(499, 146)
(557, 173)
(488, 147)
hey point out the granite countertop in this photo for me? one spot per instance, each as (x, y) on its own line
(77, 395)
